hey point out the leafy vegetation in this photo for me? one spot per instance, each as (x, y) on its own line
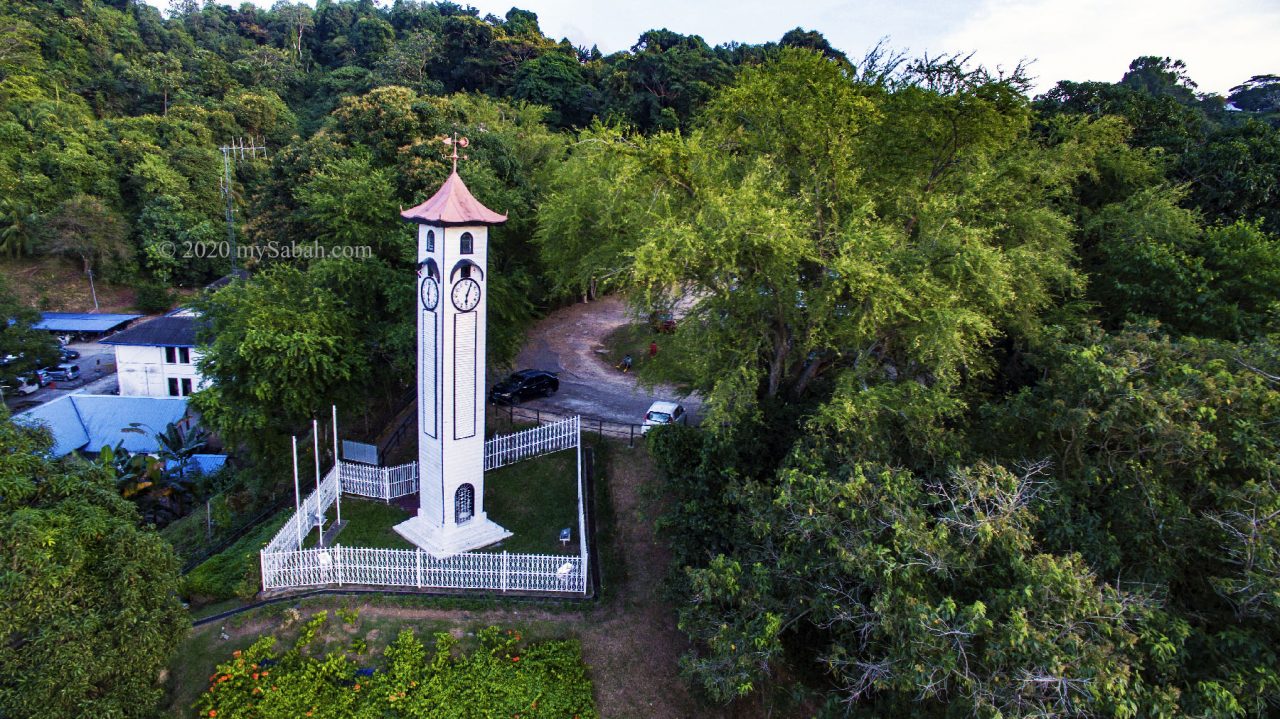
(91, 613)
(502, 677)
(953, 462)
(991, 380)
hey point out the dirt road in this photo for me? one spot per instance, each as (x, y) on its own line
(570, 341)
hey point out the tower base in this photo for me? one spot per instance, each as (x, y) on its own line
(442, 542)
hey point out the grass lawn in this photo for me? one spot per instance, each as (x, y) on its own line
(632, 339)
(369, 524)
(534, 499)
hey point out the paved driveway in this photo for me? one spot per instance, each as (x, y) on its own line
(97, 376)
(570, 341)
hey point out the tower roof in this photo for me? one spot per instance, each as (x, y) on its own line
(453, 204)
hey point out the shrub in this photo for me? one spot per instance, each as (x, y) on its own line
(153, 298)
(503, 677)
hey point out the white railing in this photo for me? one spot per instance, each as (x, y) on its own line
(315, 504)
(379, 482)
(506, 449)
(497, 571)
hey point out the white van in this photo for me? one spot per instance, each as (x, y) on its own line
(663, 413)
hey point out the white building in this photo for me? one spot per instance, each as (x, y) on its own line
(158, 358)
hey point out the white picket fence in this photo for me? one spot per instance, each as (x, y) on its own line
(497, 571)
(388, 483)
(506, 449)
(379, 482)
(285, 564)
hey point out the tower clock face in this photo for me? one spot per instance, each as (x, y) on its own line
(430, 294)
(466, 294)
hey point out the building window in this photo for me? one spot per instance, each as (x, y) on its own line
(171, 355)
(184, 355)
(173, 387)
(465, 271)
(468, 244)
(186, 386)
(431, 241)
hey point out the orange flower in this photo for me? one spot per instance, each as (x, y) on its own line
(236, 653)
(357, 687)
(257, 690)
(255, 676)
(213, 712)
(515, 659)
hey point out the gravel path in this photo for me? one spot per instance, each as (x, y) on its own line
(570, 341)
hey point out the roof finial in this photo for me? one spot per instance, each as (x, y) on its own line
(455, 142)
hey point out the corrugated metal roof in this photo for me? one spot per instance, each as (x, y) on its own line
(170, 331)
(202, 463)
(90, 422)
(81, 321)
(453, 204)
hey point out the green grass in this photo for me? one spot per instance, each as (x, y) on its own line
(534, 499)
(632, 339)
(232, 572)
(369, 524)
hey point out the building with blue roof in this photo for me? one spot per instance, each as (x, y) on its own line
(84, 323)
(89, 422)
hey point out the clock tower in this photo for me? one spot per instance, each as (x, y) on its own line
(450, 301)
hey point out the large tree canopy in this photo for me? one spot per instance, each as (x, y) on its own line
(91, 608)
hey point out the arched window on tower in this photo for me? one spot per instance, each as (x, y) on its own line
(468, 244)
(464, 504)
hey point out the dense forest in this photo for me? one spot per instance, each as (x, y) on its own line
(992, 380)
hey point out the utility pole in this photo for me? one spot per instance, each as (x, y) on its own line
(239, 149)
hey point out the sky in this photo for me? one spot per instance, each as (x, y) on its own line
(1223, 43)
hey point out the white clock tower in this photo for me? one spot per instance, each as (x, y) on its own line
(451, 297)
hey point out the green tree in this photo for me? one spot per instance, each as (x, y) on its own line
(22, 227)
(22, 347)
(84, 228)
(278, 350)
(159, 73)
(91, 608)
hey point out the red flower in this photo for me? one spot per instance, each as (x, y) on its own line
(515, 659)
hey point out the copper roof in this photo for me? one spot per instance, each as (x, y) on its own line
(453, 204)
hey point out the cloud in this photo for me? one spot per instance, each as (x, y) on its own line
(1223, 43)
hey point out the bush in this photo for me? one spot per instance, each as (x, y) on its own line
(503, 677)
(235, 571)
(153, 298)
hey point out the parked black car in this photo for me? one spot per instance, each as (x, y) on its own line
(523, 385)
(69, 354)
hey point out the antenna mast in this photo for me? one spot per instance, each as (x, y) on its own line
(240, 150)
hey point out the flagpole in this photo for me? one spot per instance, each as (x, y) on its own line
(297, 503)
(315, 449)
(337, 467)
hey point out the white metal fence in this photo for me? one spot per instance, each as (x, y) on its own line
(388, 483)
(379, 482)
(504, 450)
(499, 571)
(285, 564)
(305, 519)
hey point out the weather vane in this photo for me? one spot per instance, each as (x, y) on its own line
(456, 142)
